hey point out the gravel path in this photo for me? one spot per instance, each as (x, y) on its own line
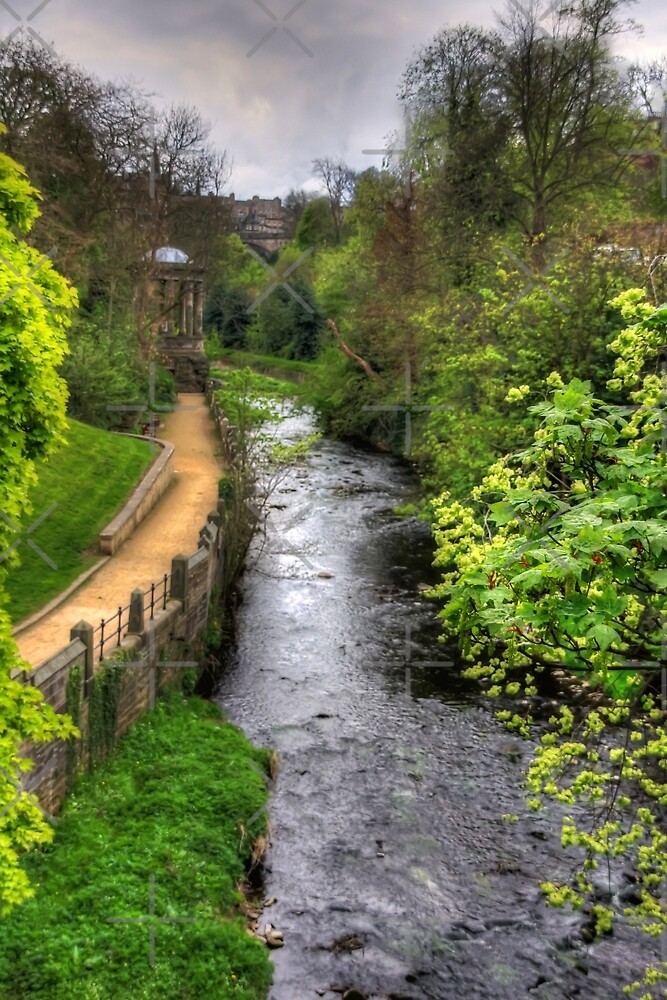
(172, 528)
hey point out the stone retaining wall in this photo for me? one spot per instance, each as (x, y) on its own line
(172, 636)
(145, 495)
(162, 639)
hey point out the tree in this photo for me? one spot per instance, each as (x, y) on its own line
(532, 121)
(227, 313)
(338, 180)
(307, 323)
(295, 202)
(559, 563)
(316, 226)
(34, 305)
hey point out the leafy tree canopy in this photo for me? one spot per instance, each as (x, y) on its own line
(34, 305)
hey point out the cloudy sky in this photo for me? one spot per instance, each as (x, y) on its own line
(282, 81)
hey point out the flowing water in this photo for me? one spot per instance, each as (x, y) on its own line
(393, 868)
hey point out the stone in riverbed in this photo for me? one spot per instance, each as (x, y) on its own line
(273, 937)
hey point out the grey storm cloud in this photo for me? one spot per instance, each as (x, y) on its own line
(282, 81)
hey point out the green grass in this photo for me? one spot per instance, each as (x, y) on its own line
(173, 802)
(89, 479)
(263, 363)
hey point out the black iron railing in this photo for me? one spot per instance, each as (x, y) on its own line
(157, 593)
(110, 632)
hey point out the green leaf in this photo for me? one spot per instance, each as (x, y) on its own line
(604, 635)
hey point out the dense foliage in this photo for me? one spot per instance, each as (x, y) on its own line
(176, 811)
(559, 562)
(34, 306)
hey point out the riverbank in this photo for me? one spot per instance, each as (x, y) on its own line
(138, 894)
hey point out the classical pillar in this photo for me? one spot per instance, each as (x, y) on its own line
(189, 309)
(172, 300)
(182, 292)
(199, 310)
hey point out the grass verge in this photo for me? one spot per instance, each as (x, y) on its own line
(88, 479)
(266, 364)
(171, 808)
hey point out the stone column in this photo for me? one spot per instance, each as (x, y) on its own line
(189, 310)
(199, 311)
(84, 631)
(172, 300)
(183, 322)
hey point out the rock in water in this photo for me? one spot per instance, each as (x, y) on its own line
(274, 937)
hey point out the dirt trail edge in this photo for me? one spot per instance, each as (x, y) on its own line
(172, 527)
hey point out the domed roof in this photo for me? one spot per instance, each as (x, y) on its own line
(170, 255)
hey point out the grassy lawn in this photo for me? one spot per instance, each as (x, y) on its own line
(88, 479)
(264, 363)
(172, 805)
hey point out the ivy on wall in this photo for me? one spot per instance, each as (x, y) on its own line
(73, 699)
(103, 711)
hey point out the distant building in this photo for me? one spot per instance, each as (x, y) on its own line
(261, 222)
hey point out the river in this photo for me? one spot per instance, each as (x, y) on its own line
(393, 868)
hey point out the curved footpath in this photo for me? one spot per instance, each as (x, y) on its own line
(171, 528)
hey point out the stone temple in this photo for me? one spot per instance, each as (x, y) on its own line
(177, 306)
